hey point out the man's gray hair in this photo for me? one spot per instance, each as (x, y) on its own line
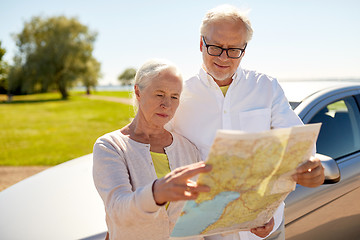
(226, 12)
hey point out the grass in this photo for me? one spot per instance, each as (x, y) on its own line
(36, 97)
(42, 129)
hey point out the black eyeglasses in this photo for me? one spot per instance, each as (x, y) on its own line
(214, 50)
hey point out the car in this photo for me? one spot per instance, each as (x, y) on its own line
(58, 203)
(62, 203)
(336, 105)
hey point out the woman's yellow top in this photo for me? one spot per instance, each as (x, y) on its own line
(161, 165)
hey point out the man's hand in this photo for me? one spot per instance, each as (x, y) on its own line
(310, 173)
(264, 230)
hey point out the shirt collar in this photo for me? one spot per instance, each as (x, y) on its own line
(210, 82)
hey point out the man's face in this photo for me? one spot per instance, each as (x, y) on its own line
(225, 34)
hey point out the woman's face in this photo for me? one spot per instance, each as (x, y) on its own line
(160, 99)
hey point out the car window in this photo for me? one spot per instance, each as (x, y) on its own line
(294, 104)
(339, 134)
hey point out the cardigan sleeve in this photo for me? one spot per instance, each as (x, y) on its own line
(112, 181)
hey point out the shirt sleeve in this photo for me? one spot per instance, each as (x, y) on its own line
(112, 181)
(282, 116)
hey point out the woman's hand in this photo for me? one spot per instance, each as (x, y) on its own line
(177, 185)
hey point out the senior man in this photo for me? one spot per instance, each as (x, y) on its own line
(225, 96)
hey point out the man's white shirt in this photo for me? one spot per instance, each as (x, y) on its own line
(254, 102)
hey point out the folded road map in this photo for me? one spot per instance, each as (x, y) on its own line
(250, 178)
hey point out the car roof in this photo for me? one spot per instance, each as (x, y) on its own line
(298, 90)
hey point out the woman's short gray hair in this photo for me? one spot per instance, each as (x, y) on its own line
(150, 70)
(226, 12)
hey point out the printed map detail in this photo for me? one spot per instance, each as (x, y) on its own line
(251, 176)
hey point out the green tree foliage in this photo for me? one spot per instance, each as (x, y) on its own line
(91, 74)
(54, 53)
(127, 76)
(3, 72)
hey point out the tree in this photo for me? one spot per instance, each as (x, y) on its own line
(127, 76)
(3, 72)
(91, 74)
(54, 53)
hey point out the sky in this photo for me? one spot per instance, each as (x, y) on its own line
(293, 39)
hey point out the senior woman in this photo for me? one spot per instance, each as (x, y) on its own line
(142, 170)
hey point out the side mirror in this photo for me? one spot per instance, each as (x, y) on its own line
(332, 171)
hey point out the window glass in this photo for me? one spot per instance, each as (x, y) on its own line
(339, 134)
(294, 104)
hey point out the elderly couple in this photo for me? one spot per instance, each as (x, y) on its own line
(143, 171)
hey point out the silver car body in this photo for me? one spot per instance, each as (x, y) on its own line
(309, 98)
(58, 203)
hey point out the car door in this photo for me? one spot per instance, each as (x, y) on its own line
(339, 138)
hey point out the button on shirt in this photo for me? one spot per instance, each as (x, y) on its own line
(254, 102)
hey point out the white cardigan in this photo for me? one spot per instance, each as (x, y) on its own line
(123, 173)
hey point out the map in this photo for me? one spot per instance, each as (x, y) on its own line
(250, 178)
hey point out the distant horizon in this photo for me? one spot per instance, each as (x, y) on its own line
(280, 80)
